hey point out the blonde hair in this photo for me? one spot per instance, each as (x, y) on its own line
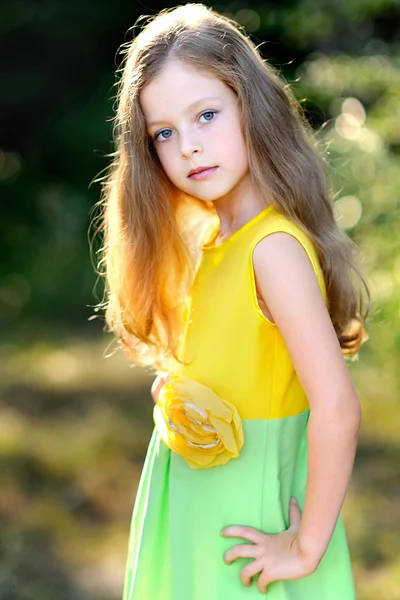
(153, 232)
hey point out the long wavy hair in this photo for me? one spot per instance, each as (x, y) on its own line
(153, 232)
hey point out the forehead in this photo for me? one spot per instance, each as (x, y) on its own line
(177, 87)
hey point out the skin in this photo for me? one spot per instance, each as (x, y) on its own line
(276, 556)
(208, 133)
(157, 384)
(288, 283)
(289, 295)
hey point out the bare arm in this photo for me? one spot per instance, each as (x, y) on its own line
(289, 287)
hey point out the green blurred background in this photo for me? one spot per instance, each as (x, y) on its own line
(74, 423)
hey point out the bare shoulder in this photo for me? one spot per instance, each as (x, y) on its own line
(281, 250)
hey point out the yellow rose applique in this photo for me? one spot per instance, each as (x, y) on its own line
(193, 421)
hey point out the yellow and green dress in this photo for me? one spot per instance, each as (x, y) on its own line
(229, 446)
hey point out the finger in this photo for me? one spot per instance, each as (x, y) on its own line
(249, 571)
(262, 583)
(241, 551)
(248, 533)
(294, 514)
(155, 389)
(158, 383)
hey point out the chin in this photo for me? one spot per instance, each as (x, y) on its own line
(211, 195)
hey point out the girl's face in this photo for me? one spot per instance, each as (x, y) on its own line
(194, 121)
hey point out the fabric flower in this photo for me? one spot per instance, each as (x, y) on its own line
(193, 421)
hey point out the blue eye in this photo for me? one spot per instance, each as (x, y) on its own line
(164, 131)
(208, 113)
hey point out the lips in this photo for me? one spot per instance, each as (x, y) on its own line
(196, 173)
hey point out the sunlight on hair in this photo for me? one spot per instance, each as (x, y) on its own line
(348, 211)
(149, 268)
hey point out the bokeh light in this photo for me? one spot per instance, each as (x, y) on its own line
(348, 211)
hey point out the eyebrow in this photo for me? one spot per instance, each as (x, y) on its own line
(151, 123)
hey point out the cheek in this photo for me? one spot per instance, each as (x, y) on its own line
(233, 146)
(166, 157)
(229, 139)
(171, 163)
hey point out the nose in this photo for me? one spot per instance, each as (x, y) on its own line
(189, 145)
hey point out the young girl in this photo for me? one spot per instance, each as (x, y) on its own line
(227, 273)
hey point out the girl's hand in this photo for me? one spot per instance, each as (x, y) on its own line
(277, 556)
(159, 381)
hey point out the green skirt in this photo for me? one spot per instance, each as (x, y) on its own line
(175, 548)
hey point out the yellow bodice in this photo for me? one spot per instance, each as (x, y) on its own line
(231, 345)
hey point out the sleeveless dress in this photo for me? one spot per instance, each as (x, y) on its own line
(175, 548)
